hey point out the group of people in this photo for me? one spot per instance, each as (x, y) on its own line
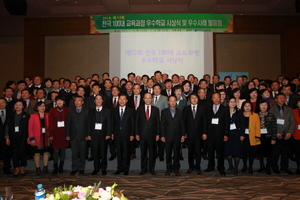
(233, 119)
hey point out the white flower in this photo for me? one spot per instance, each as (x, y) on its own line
(115, 198)
(106, 195)
(51, 197)
(108, 189)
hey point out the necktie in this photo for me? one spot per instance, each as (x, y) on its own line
(150, 91)
(169, 93)
(9, 100)
(115, 102)
(155, 100)
(98, 109)
(122, 113)
(281, 111)
(147, 113)
(2, 116)
(216, 109)
(194, 112)
(135, 101)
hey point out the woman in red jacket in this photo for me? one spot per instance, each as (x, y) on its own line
(296, 142)
(38, 130)
(58, 119)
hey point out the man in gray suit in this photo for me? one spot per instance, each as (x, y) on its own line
(161, 102)
(77, 133)
(40, 94)
(285, 129)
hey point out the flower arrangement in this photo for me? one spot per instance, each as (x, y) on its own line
(86, 193)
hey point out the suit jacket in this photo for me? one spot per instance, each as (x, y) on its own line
(10, 105)
(105, 120)
(164, 92)
(21, 140)
(217, 131)
(78, 124)
(35, 128)
(254, 129)
(288, 116)
(195, 89)
(194, 128)
(108, 103)
(147, 129)
(130, 102)
(8, 116)
(89, 102)
(172, 128)
(161, 103)
(32, 104)
(125, 128)
(291, 102)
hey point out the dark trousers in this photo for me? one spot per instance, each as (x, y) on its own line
(78, 155)
(147, 145)
(283, 150)
(296, 149)
(99, 150)
(123, 156)
(19, 157)
(218, 146)
(112, 147)
(7, 155)
(161, 149)
(172, 146)
(194, 151)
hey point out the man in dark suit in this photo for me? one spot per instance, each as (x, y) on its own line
(123, 132)
(77, 132)
(100, 132)
(285, 129)
(106, 92)
(217, 131)
(194, 88)
(172, 134)
(289, 96)
(194, 121)
(168, 91)
(5, 152)
(53, 103)
(89, 101)
(8, 95)
(203, 85)
(25, 95)
(147, 132)
(215, 80)
(136, 100)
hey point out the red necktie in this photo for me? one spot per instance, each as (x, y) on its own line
(115, 103)
(168, 92)
(135, 101)
(147, 113)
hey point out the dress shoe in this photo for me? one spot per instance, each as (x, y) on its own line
(81, 172)
(153, 173)
(297, 171)
(261, 169)
(45, 170)
(167, 173)
(161, 159)
(209, 169)
(38, 171)
(199, 172)
(222, 173)
(276, 171)
(250, 171)
(268, 171)
(126, 173)
(16, 172)
(91, 159)
(104, 173)
(95, 172)
(73, 173)
(142, 173)
(132, 156)
(244, 169)
(118, 172)
(7, 172)
(112, 158)
(177, 173)
(189, 171)
(229, 169)
(288, 172)
(235, 171)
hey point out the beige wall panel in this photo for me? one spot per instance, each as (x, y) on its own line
(69, 56)
(257, 54)
(11, 59)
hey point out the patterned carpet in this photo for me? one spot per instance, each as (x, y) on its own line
(208, 186)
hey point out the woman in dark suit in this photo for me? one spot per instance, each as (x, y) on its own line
(57, 129)
(38, 131)
(234, 144)
(268, 129)
(16, 137)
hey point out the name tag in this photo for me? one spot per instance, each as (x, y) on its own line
(215, 121)
(246, 131)
(232, 126)
(299, 127)
(16, 128)
(43, 130)
(60, 124)
(280, 121)
(98, 126)
(263, 131)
